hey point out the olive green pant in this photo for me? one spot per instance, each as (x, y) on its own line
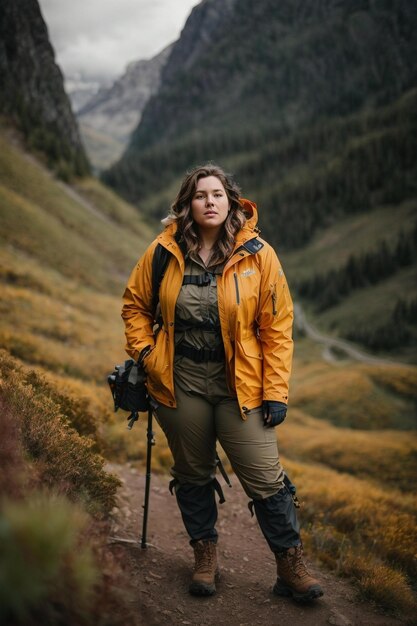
(198, 421)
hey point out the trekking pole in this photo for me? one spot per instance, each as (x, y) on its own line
(151, 442)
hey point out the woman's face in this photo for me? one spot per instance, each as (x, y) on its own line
(210, 204)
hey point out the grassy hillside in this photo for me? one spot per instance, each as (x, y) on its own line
(321, 276)
(43, 219)
(349, 434)
(62, 257)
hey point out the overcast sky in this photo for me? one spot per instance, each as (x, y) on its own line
(98, 38)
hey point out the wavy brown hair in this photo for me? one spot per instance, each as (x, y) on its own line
(181, 213)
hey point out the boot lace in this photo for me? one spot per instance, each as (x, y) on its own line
(205, 553)
(294, 559)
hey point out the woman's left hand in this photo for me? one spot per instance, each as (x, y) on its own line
(273, 412)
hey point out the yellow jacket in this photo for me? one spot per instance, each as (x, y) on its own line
(255, 311)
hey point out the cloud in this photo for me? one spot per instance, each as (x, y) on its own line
(97, 39)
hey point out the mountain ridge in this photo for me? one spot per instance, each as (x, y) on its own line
(234, 82)
(32, 91)
(115, 111)
(262, 153)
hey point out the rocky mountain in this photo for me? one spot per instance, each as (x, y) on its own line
(313, 106)
(81, 90)
(114, 112)
(201, 30)
(270, 68)
(32, 88)
(186, 77)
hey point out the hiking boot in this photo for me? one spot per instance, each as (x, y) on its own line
(294, 580)
(205, 568)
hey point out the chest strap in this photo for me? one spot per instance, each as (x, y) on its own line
(200, 280)
(201, 355)
(182, 325)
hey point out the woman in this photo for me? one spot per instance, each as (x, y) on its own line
(218, 369)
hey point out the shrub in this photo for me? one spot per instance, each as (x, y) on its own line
(11, 458)
(61, 458)
(381, 583)
(74, 410)
(55, 563)
(55, 567)
(45, 569)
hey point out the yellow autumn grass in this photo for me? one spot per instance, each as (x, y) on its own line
(361, 530)
(396, 379)
(387, 457)
(60, 325)
(357, 395)
(57, 436)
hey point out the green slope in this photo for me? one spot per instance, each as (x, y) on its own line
(60, 227)
(66, 253)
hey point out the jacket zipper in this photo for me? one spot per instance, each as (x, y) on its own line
(274, 300)
(237, 288)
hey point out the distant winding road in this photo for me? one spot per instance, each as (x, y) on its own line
(329, 343)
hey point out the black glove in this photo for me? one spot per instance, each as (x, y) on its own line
(277, 411)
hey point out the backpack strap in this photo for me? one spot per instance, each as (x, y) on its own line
(160, 260)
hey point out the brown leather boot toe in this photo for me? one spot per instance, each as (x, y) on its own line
(294, 580)
(205, 569)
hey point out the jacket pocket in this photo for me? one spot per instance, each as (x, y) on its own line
(156, 364)
(249, 371)
(156, 357)
(251, 347)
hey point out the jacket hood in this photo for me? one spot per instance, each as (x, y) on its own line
(250, 228)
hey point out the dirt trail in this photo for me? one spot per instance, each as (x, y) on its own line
(160, 574)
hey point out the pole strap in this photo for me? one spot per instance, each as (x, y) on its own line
(222, 470)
